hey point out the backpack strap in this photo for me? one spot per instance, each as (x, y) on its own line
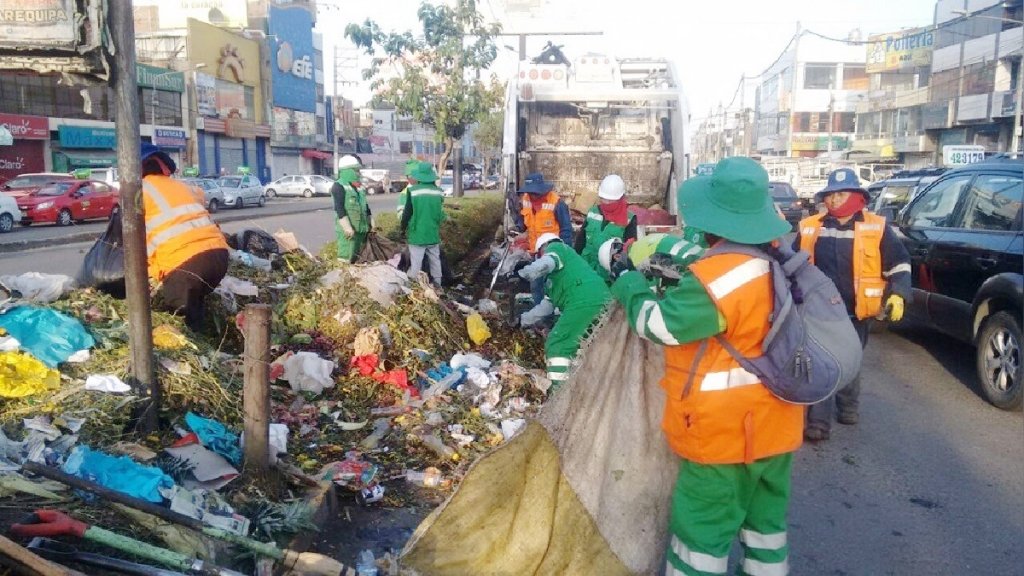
(693, 368)
(743, 360)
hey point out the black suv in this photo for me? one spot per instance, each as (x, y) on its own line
(966, 246)
(889, 196)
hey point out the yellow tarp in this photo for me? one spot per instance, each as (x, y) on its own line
(22, 375)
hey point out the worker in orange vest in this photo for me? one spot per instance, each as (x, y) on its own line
(542, 212)
(736, 439)
(187, 252)
(861, 253)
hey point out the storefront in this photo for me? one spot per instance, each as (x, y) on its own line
(224, 147)
(83, 147)
(27, 150)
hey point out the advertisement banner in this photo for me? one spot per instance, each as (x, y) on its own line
(901, 50)
(226, 55)
(159, 78)
(26, 127)
(37, 23)
(206, 94)
(22, 157)
(291, 60)
(86, 137)
(227, 13)
(293, 128)
(169, 138)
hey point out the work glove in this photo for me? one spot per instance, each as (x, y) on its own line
(537, 313)
(894, 308)
(542, 267)
(659, 265)
(620, 265)
(346, 227)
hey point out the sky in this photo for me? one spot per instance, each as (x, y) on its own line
(713, 42)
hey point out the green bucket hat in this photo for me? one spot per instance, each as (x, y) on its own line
(733, 203)
(410, 166)
(423, 172)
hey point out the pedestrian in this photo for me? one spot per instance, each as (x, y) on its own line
(573, 287)
(736, 439)
(861, 253)
(542, 212)
(609, 218)
(421, 222)
(353, 218)
(187, 253)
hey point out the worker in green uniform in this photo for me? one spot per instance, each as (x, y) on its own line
(421, 222)
(665, 250)
(609, 218)
(574, 288)
(353, 219)
(410, 167)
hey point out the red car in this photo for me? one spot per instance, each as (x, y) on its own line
(69, 201)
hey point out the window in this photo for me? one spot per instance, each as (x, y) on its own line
(946, 84)
(405, 147)
(979, 78)
(994, 203)
(844, 122)
(819, 76)
(802, 122)
(854, 77)
(165, 104)
(935, 207)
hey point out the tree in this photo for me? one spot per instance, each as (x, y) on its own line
(488, 137)
(435, 77)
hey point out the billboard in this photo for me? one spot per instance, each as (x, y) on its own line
(227, 13)
(293, 128)
(291, 59)
(37, 23)
(232, 61)
(903, 50)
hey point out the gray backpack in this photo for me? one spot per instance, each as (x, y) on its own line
(812, 348)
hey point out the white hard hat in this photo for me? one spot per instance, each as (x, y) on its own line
(348, 162)
(612, 187)
(608, 250)
(544, 239)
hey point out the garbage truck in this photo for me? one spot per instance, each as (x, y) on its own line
(578, 121)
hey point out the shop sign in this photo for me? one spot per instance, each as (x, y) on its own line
(190, 171)
(292, 61)
(21, 157)
(244, 171)
(86, 137)
(159, 78)
(227, 13)
(169, 138)
(705, 169)
(26, 127)
(239, 128)
(899, 50)
(38, 24)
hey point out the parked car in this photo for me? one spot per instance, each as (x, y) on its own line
(788, 202)
(25, 184)
(966, 245)
(492, 182)
(108, 175)
(447, 186)
(305, 186)
(9, 213)
(375, 180)
(69, 201)
(211, 192)
(241, 191)
(892, 194)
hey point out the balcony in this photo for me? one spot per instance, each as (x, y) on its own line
(877, 100)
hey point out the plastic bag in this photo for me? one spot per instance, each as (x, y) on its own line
(42, 288)
(259, 243)
(378, 248)
(216, 437)
(119, 473)
(50, 336)
(307, 372)
(103, 266)
(22, 375)
(477, 328)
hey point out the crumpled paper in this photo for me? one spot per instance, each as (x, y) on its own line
(106, 383)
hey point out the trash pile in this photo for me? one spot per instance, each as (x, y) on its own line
(375, 380)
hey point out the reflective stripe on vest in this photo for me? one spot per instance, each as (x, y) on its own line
(166, 215)
(737, 277)
(868, 277)
(596, 216)
(733, 378)
(174, 231)
(694, 249)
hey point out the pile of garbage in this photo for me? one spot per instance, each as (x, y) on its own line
(376, 379)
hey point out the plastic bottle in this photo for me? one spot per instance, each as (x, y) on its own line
(431, 477)
(366, 565)
(381, 426)
(433, 442)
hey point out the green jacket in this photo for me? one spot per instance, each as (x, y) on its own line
(352, 204)
(573, 281)
(423, 215)
(596, 231)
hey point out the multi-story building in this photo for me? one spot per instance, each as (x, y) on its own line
(724, 133)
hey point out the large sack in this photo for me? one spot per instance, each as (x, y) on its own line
(103, 266)
(585, 489)
(378, 248)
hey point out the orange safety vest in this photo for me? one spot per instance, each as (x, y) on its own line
(727, 416)
(177, 225)
(868, 284)
(541, 222)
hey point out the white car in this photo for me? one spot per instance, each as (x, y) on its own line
(9, 213)
(242, 191)
(211, 191)
(305, 186)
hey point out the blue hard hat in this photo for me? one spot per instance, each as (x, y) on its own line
(148, 150)
(535, 184)
(841, 180)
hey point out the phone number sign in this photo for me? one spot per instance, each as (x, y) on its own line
(961, 155)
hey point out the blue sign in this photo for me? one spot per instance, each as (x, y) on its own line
(86, 137)
(291, 59)
(169, 138)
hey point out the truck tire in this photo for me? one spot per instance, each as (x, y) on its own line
(998, 358)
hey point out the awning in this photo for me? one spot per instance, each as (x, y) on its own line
(316, 154)
(90, 158)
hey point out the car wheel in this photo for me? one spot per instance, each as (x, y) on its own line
(64, 218)
(262, 201)
(271, 193)
(307, 193)
(6, 222)
(214, 206)
(239, 203)
(999, 361)
(115, 211)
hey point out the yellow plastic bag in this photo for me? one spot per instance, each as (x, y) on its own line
(168, 337)
(477, 328)
(22, 375)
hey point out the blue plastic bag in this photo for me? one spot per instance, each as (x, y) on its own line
(48, 335)
(119, 473)
(216, 437)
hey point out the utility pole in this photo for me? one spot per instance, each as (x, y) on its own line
(136, 275)
(831, 107)
(1015, 137)
(334, 113)
(792, 92)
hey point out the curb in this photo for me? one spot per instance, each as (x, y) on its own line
(17, 246)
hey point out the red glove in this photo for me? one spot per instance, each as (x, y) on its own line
(51, 523)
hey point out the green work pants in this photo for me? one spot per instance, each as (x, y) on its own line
(349, 248)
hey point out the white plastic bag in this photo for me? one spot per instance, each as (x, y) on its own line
(307, 372)
(37, 287)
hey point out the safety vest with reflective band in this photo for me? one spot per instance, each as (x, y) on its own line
(427, 214)
(868, 283)
(177, 225)
(716, 412)
(355, 208)
(599, 231)
(572, 282)
(541, 222)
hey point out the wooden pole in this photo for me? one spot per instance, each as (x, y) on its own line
(136, 276)
(256, 393)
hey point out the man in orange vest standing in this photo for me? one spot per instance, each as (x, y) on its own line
(187, 252)
(736, 439)
(542, 212)
(869, 265)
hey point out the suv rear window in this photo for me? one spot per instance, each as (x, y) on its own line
(994, 203)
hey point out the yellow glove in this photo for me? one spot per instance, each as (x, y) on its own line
(894, 308)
